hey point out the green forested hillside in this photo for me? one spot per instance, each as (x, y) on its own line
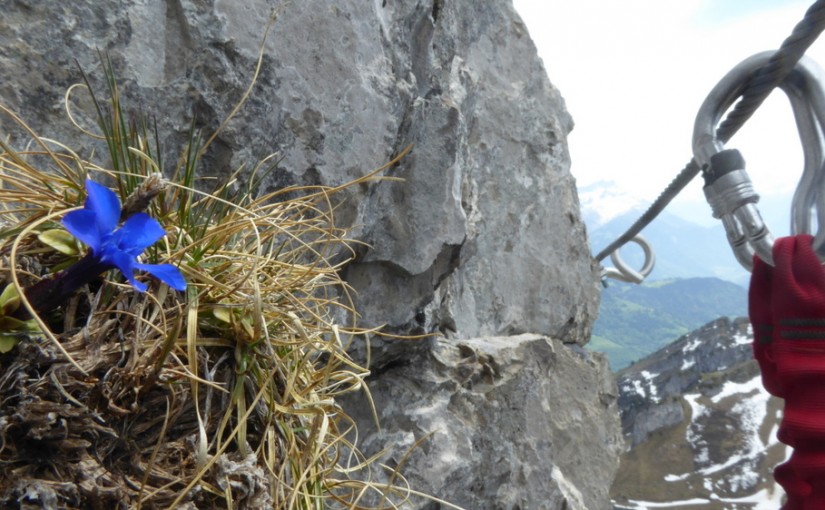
(635, 320)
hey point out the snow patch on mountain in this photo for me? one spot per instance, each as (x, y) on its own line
(765, 499)
(736, 389)
(721, 451)
(643, 387)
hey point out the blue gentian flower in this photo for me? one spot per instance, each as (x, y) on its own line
(96, 226)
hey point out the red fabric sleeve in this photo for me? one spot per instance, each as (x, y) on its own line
(787, 311)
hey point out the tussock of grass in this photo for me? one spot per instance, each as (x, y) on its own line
(223, 396)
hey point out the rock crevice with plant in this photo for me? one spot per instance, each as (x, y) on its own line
(457, 288)
(211, 384)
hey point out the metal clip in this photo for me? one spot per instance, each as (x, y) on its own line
(625, 273)
(728, 188)
(729, 191)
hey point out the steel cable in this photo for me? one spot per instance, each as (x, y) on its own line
(759, 86)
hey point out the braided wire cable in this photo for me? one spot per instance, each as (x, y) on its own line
(757, 89)
(690, 171)
(767, 78)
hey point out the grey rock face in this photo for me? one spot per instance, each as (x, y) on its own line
(516, 422)
(482, 238)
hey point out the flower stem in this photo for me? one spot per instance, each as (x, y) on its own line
(48, 294)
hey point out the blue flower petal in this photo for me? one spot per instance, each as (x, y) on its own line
(104, 204)
(167, 273)
(83, 226)
(139, 232)
(127, 265)
(95, 225)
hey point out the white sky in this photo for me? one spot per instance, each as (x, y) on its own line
(634, 73)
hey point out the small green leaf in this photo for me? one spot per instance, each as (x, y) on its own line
(9, 300)
(246, 324)
(12, 324)
(60, 240)
(7, 343)
(222, 314)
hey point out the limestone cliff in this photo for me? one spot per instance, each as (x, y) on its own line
(482, 238)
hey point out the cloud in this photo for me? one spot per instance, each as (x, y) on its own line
(634, 73)
(721, 12)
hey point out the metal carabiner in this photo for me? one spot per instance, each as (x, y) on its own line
(625, 273)
(728, 187)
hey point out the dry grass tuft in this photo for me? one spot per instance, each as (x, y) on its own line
(223, 396)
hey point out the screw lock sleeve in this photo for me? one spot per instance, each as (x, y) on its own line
(722, 163)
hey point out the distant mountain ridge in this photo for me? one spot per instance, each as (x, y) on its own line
(683, 249)
(636, 320)
(699, 426)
